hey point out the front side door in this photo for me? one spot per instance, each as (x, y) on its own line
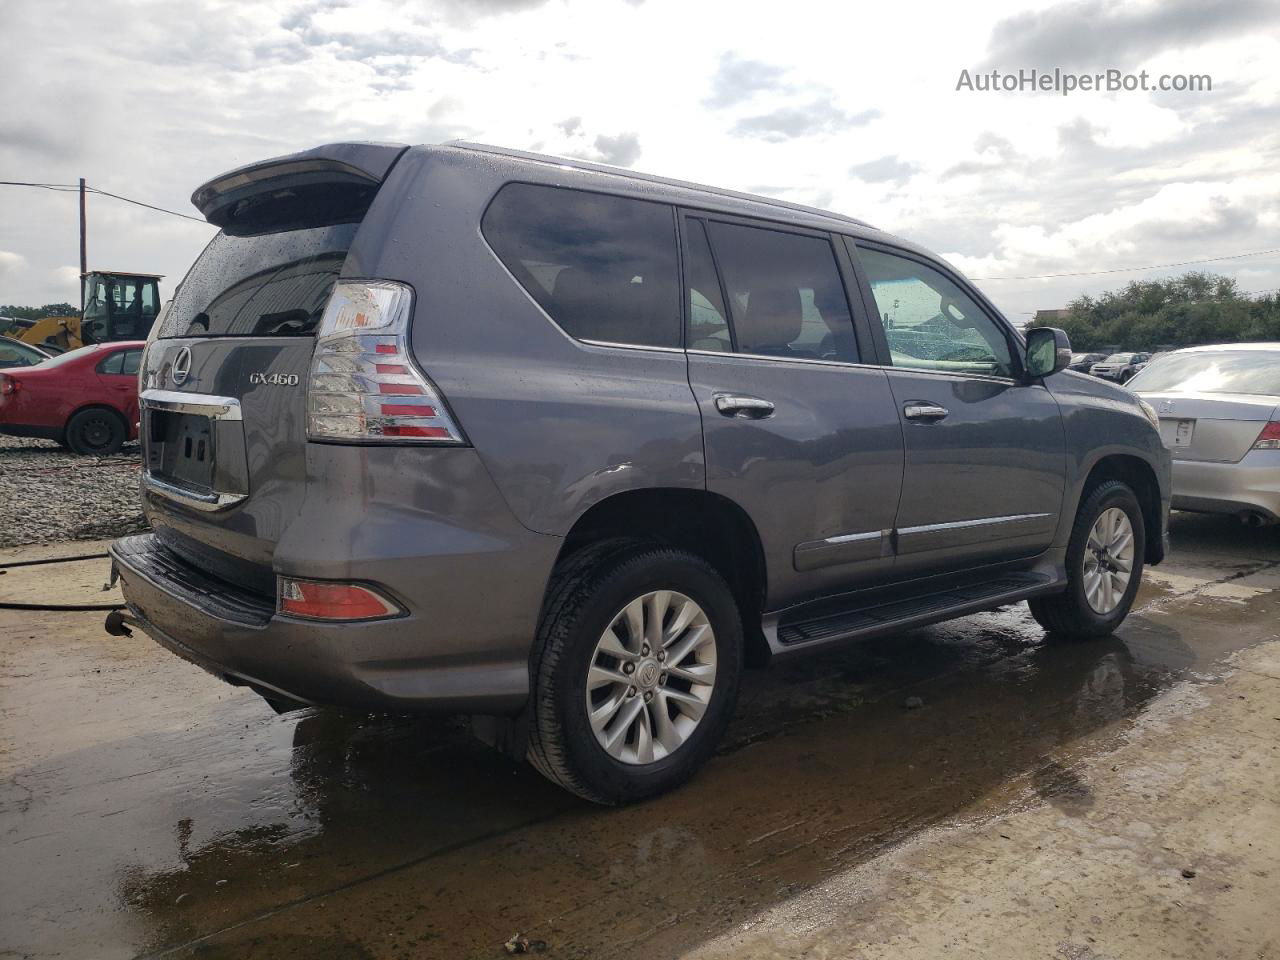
(797, 431)
(985, 453)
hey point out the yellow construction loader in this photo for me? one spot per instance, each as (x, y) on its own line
(117, 306)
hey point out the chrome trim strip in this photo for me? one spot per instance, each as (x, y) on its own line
(960, 524)
(854, 537)
(201, 404)
(733, 355)
(630, 346)
(189, 498)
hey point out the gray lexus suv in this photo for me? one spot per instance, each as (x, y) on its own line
(563, 447)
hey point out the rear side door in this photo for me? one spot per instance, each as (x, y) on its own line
(798, 431)
(118, 373)
(984, 449)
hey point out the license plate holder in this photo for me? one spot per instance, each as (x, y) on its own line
(1183, 432)
(182, 448)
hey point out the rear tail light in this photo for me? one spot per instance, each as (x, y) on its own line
(9, 385)
(1269, 438)
(325, 600)
(364, 386)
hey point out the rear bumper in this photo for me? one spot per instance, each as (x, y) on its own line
(1250, 486)
(413, 663)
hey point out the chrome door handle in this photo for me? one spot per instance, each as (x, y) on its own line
(752, 408)
(920, 410)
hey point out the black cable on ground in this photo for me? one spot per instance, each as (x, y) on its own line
(90, 607)
(36, 563)
(5, 605)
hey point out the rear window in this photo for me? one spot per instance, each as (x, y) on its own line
(1255, 372)
(270, 285)
(602, 267)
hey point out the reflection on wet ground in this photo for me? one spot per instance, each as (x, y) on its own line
(153, 811)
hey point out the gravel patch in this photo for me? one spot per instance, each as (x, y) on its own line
(50, 494)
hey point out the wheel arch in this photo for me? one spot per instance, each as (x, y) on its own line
(1140, 476)
(706, 524)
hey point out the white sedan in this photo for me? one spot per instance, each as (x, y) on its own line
(1219, 410)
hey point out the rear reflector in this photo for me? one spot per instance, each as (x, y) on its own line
(325, 600)
(1269, 438)
(364, 386)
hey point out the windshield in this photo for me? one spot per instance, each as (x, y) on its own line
(270, 285)
(1227, 371)
(1119, 358)
(63, 358)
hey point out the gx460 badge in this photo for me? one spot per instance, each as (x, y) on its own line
(275, 379)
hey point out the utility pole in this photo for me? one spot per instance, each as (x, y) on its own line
(84, 260)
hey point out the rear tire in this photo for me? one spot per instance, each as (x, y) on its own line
(96, 432)
(1096, 600)
(586, 637)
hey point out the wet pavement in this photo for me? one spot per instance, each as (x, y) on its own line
(148, 810)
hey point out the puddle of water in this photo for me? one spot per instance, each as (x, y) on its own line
(170, 808)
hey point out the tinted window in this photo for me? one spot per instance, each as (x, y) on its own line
(113, 363)
(602, 267)
(708, 321)
(786, 298)
(132, 360)
(272, 285)
(1235, 371)
(930, 323)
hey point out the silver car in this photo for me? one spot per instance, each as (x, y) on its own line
(1219, 409)
(1120, 367)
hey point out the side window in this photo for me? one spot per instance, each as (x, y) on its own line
(112, 364)
(786, 298)
(930, 323)
(602, 267)
(132, 360)
(708, 321)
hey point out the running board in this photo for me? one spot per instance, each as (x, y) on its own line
(871, 618)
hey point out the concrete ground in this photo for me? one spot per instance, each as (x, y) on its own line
(1107, 800)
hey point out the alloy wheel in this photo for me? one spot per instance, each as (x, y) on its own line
(651, 677)
(1108, 560)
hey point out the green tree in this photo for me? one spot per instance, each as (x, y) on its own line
(35, 313)
(1194, 308)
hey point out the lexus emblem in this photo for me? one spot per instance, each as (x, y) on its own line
(182, 367)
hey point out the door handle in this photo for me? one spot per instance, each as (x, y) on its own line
(750, 408)
(923, 410)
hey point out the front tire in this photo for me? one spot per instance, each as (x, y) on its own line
(640, 656)
(1104, 566)
(95, 432)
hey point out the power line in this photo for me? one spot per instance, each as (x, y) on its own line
(1154, 266)
(43, 186)
(114, 196)
(72, 187)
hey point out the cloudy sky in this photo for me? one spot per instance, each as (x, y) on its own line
(851, 107)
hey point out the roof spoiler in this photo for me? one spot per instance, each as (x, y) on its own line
(329, 184)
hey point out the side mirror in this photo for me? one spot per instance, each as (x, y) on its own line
(1048, 351)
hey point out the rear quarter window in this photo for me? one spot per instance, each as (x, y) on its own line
(602, 267)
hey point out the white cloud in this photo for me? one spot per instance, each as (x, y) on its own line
(718, 92)
(10, 263)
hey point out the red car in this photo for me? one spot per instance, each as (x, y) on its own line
(85, 399)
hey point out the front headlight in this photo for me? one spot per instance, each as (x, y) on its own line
(1150, 412)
